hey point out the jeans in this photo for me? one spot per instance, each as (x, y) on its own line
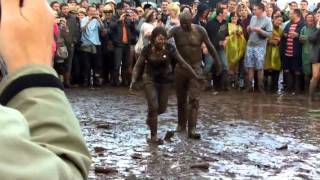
(223, 58)
(121, 60)
(208, 63)
(92, 62)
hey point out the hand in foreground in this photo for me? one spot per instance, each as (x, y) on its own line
(26, 33)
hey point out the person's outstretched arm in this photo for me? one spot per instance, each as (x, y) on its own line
(40, 136)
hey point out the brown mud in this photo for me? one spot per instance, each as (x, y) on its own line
(244, 136)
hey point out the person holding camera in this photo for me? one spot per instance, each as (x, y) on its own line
(123, 31)
(71, 34)
(91, 47)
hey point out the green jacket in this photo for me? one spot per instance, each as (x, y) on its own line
(40, 137)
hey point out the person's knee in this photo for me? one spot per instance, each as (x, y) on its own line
(194, 104)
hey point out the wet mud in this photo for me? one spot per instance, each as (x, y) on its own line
(244, 136)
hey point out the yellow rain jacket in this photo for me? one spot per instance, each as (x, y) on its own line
(236, 45)
(273, 60)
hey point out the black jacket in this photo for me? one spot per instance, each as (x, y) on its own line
(217, 31)
(116, 31)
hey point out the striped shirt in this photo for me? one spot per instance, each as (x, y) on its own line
(289, 50)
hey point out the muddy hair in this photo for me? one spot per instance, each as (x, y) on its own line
(156, 32)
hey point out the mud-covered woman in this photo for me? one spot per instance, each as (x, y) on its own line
(155, 63)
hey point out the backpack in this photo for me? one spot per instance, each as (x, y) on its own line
(62, 51)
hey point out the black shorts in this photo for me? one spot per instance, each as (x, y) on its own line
(291, 63)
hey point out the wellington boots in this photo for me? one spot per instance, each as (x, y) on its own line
(297, 84)
(269, 84)
(288, 82)
(225, 81)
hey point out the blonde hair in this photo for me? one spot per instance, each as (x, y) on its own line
(175, 8)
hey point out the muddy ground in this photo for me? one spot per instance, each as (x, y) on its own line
(245, 136)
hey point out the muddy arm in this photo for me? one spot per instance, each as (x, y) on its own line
(138, 67)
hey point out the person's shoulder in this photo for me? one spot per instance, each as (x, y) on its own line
(200, 28)
(85, 19)
(254, 17)
(268, 20)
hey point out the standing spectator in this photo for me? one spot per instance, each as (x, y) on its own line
(134, 18)
(232, 6)
(235, 48)
(202, 15)
(245, 19)
(164, 11)
(100, 10)
(194, 6)
(122, 31)
(269, 11)
(272, 65)
(260, 29)
(140, 12)
(304, 7)
(84, 4)
(291, 52)
(315, 60)
(173, 19)
(71, 36)
(77, 61)
(81, 14)
(146, 30)
(72, 3)
(55, 5)
(91, 46)
(217, 29)
(306, 32)
(173, 12)
(107, 44)
(112, 3)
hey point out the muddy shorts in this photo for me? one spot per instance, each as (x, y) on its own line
(254, 57)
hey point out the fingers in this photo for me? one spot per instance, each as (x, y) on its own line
(9, 8)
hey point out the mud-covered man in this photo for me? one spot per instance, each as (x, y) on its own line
(189, 38)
